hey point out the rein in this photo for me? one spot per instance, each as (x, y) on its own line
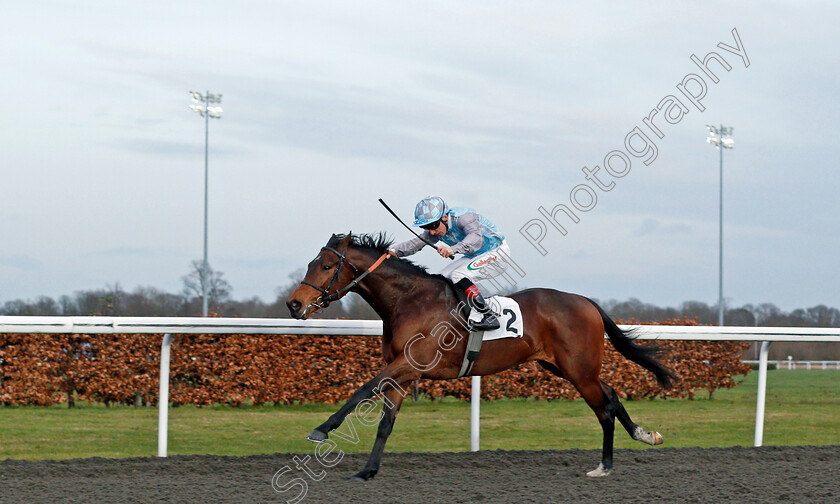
(326, 298)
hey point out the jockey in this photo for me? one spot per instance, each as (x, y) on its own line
(463, 231)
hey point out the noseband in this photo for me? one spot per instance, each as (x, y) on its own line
(326, 298)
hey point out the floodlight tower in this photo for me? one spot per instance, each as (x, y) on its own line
(721, 137)
(202, 104)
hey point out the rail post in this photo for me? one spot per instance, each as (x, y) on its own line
(163, 396)
(762, 393)
(475, 408)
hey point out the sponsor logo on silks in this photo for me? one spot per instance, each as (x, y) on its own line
(480, 263)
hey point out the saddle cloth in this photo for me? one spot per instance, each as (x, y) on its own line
(510, 318)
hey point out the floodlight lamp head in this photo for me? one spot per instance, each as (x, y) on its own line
(196, 96)
(713, 141)
(712, 129)
(214, 112)
(214, 98)
(728, 143)
(197, 108)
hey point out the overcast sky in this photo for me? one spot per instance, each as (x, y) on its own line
(495, 105)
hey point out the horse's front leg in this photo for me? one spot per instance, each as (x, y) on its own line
(392, 398)
(366, 391)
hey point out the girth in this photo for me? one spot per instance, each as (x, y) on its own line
(475, 338)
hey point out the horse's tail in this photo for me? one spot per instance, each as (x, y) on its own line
(645, 356)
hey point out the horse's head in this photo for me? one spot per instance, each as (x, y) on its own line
(326, 275)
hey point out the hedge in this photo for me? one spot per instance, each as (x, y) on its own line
(45, 369)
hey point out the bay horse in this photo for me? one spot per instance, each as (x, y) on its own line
(423, 338)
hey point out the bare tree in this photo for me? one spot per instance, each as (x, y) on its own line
(767, 314)
(151, 302)
(357, 308)
(740, 317)
(284, 291)
(218, 289)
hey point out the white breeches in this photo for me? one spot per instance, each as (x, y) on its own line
(481, 267)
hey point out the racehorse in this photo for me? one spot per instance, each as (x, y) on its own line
(423, 338)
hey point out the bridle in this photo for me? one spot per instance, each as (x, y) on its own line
(326, 298)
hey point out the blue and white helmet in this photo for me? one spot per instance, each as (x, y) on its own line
(430, 210)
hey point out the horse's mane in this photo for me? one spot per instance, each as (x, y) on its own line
(380, 243)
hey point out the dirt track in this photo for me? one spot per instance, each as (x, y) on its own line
(719, 475)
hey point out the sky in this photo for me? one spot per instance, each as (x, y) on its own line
(494, 105)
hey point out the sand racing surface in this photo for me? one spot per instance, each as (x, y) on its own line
(673, 475)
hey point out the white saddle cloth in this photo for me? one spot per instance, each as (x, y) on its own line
(510, 318)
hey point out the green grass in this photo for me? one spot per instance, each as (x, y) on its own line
(802, 407)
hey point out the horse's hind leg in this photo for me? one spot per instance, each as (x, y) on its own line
(601, 402)
(636, 431)
(604, 409)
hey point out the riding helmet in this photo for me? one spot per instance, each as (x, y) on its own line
(430, 209)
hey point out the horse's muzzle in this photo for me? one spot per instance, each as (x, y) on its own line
(294, 308)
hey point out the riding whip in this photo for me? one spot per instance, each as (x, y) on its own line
(427, 242)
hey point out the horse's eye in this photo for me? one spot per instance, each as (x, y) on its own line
(327, 267)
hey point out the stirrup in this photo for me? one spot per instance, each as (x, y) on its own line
(488, 323)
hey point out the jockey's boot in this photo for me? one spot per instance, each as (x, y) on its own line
(488, 322)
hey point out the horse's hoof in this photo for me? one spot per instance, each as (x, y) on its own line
(599, 472)
(317, 436)
(657, 438)
(364, 475)
(652, 438)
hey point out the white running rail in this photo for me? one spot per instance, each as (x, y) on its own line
(197, 325)
(801, 364)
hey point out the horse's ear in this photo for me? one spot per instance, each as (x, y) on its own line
(343, 244)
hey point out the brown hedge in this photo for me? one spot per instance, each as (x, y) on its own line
(44, 369)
